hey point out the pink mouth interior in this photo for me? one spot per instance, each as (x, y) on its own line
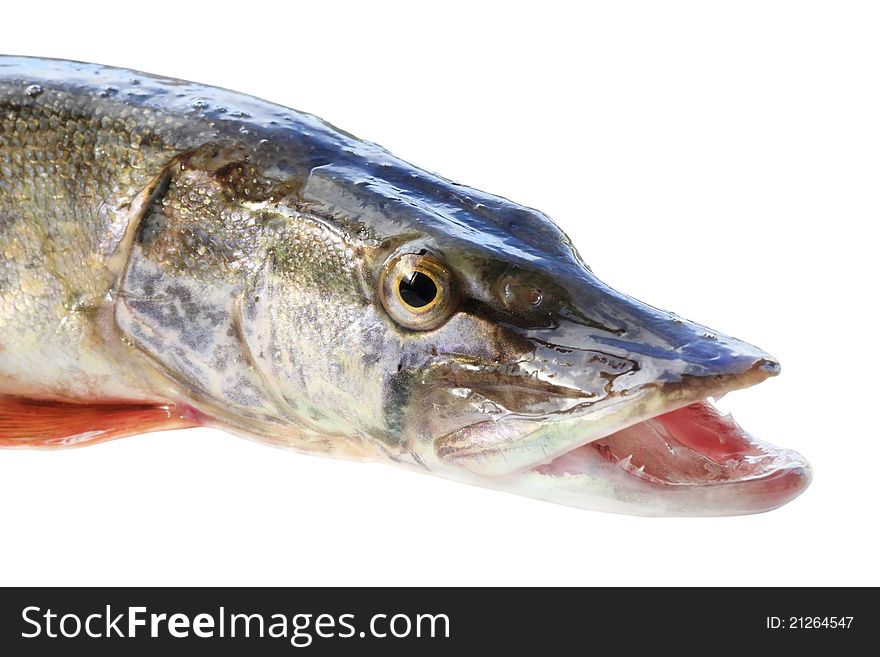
(694, 445)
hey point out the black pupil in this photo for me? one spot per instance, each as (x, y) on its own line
(417, 290)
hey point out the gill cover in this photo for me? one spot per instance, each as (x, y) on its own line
(176, 302)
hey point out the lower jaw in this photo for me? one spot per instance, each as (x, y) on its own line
(691, 461)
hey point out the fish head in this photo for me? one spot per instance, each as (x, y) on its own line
(479, 346)
(382, 311)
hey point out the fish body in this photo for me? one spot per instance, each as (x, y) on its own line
(175, 254)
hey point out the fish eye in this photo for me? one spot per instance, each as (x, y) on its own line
(417, 291)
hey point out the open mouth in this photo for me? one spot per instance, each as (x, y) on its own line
(662, 450)
(693, 446)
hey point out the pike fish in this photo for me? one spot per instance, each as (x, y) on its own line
(176, 255)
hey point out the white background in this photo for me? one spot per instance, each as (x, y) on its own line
(718, 159)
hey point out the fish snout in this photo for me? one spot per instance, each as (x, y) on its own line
(629, 343)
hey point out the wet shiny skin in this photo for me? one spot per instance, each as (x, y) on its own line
(174, 244)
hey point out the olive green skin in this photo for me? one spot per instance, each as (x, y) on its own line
(170, 242)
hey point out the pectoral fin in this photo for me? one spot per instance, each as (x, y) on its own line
(43, 424)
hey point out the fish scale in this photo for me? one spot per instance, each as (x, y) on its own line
(179, 255)
(68, 169)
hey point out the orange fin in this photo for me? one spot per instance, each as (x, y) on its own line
(39, 423)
